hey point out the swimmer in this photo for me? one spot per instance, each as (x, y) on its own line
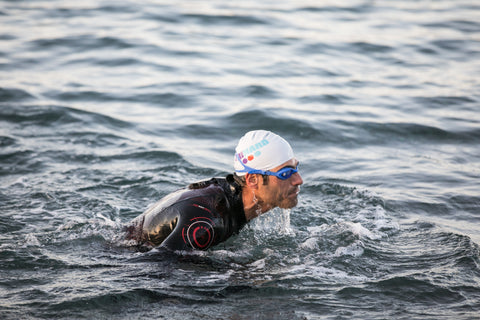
(208, 212)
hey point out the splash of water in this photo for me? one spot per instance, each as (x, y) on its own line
(276, 221)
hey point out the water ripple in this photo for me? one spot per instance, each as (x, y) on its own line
(241, 20)
(14, 95)
(79, 43)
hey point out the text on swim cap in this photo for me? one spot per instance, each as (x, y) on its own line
(253, 151)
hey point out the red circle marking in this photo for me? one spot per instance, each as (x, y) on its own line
(197, 238)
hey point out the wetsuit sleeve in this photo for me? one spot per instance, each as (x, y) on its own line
(187, 225)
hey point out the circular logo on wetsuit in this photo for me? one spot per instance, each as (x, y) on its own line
(200, 234)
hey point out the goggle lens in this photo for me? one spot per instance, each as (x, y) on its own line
(284, 173)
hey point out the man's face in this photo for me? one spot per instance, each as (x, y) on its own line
(281, 193)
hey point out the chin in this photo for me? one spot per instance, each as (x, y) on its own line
(288, 204)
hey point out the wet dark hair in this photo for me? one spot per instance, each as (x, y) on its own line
(239, 179)
(265, 179)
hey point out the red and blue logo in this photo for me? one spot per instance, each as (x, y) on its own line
(250, 153)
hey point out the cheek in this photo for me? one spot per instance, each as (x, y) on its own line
(277, 194)
(283, 192)
(273, 195)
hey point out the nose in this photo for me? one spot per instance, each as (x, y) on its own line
(297, 179)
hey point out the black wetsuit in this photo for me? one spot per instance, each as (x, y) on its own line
(197, 217)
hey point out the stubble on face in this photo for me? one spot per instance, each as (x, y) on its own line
(291, 199)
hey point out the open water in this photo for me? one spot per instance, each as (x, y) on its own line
(106, 106)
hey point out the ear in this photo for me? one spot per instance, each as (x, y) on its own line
(251, 180)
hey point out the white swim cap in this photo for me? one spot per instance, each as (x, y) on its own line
(261, 150)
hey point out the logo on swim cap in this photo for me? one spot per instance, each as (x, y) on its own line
(261, 150)
(253, 151)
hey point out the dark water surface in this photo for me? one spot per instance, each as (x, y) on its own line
(106, 106)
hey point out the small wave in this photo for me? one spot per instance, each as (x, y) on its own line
(167, 17)
(88, 306)
(443, 101)
(337, 99)
(14, 95)
(36, 115)
(368, 48)
(453, 45)
(142, 155)
(6, 141)
(20, 162)
(429, 249)
(79, 43)
(272, 120)
(259, 91)
(348, 221)
(319, 48)
(111, 62)
(71, 12)
(237, 20)
(88, 95)
(466, 26)
(358, 133)
(380, 133)
(406, 289)
(340, 7)
(340, 239)
(56, 116)
(168, 100)
(355, 249)
(28, 258)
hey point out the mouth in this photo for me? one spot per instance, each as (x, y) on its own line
(294, 193)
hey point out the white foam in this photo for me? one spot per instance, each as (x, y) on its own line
(31, 240)
(354, 227)
(354, 250)
(107, 221)
(259, 264)
(309, 244)
(317, 230)
(361, 231)
(313, 270)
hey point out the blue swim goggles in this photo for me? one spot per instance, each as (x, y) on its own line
(282, 174)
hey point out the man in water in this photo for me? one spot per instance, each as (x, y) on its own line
(209, 212)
